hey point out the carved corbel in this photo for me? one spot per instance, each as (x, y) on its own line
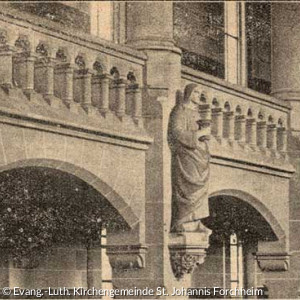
(126, 257)
(273, 262)
(187, 250)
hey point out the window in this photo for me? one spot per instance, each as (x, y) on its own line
(199, 32)
(228, 39)
(258, 25)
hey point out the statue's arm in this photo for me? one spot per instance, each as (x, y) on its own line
(180, 133)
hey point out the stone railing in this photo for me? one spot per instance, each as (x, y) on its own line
(71, 76)
(246, 126)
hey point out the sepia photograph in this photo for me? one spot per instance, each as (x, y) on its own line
(149, 149)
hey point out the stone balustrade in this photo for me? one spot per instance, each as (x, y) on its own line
(75, 73)
(243, 122)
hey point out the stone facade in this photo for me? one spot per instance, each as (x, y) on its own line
(99, 111)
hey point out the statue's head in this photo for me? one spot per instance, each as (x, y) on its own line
(192, 93)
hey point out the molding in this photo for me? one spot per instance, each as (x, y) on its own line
(138, 139)
(285, 170)
(126, 257)
(273, 262)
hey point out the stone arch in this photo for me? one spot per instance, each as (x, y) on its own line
(258, 205)
(104, 189)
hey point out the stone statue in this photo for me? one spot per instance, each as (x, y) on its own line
(188, 137)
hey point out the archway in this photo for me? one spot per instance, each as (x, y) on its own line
(91, 179)
(237, 228)
(51, 229)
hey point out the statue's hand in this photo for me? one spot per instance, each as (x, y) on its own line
(203, 132)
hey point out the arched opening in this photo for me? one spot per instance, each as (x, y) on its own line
(237, 227)
(53, 230)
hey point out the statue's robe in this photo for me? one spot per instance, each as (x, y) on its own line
(190, 168)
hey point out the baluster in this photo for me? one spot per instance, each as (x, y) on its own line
(217, 123)
(7, 51)
(228, 127)
(251, 133)
(6, 62)
(105, 83)
(134, 103)
(281, 139)
(44, 80)
(96, 90)
(63, 85)
(240, 129)
(24, 67)
(120, 88)
(87, 92)
(272, 137)
(262, 134)
(137, 106)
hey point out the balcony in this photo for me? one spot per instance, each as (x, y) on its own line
(248, 129)
(54, 76)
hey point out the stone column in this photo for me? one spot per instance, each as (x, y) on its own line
(63, 84)
(272, 137)
(286, 85)
(286, 56)
(134, 95)
(6, 62)
(24, 67)
(281, 139)
(285, 44)
(150, 29)
(44, 80)
(87, 92)
(120, 87)
(251, 133)
(217, 123)
(262, 134)
(149, 23)
(228, 127)
(240, 129)
(105, 81)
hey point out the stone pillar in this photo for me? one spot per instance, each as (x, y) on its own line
(251, 132)
(120, 87)
(228, 127)
(44, 80)
(272, 137)
(149, 22)
(150, 29)
(281, 139)
(285, 55)
(63, 84)
(94, 266)
(87, 92)
(286, 85)
(217, 123)
(262, 134)
(6, 62)
(24, 71)
(104, 105)
(135, 97)
(240, 129)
